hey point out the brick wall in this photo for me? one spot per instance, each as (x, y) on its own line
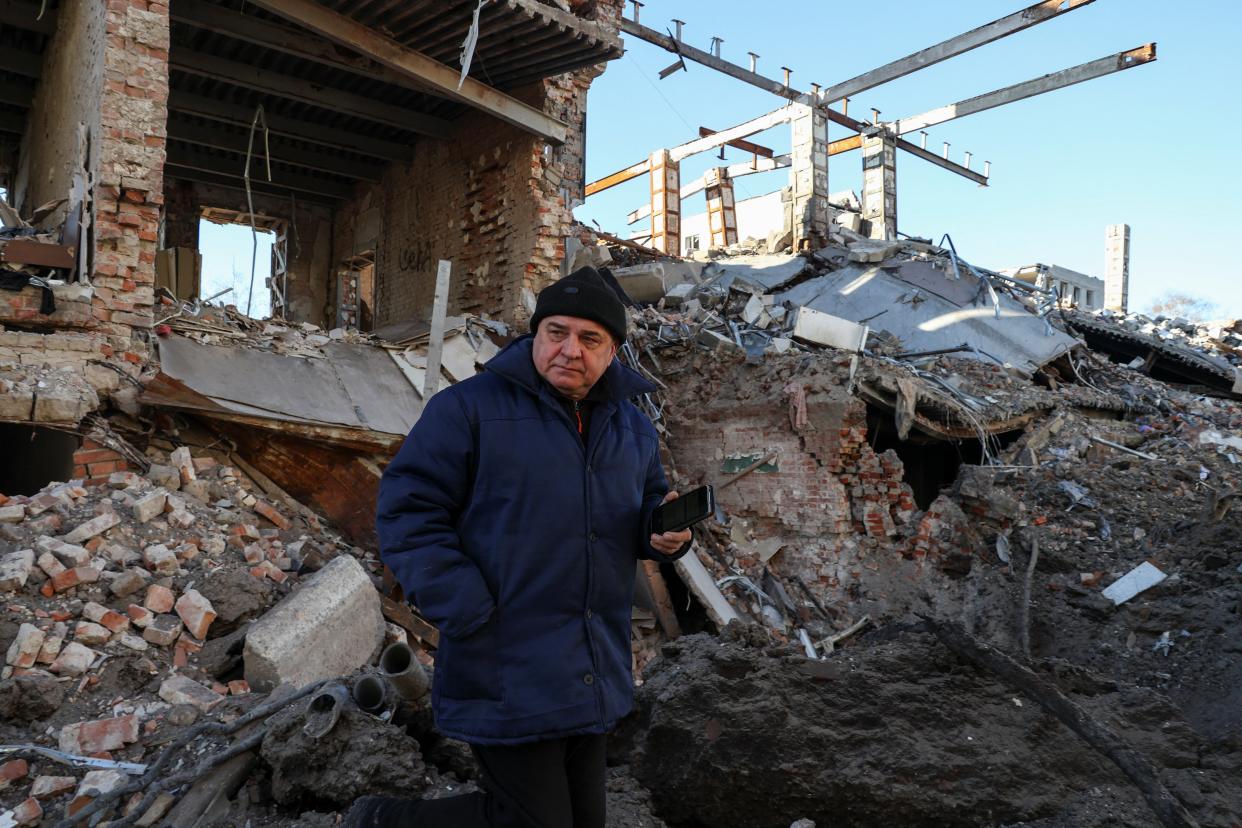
(310, 240)
(831, 504)
(93, 462)
(74, 307)
(491, 198)
(129, 191)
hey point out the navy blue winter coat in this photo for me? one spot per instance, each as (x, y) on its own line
(520, 544)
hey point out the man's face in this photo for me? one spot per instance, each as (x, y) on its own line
(572, 353)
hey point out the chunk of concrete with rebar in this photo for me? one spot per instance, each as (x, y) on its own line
(329, 627)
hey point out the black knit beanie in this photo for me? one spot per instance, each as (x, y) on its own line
(583, 294)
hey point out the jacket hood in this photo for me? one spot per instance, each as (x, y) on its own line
(515, 364)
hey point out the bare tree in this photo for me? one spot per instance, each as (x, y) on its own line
(1175, 303)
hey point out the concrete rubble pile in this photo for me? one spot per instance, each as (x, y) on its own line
(863, 485)
(196, 627)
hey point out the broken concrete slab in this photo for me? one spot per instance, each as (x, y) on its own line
(15, 569)
(821, 328)
(329, 627)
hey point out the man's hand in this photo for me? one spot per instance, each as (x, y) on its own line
(670, 542)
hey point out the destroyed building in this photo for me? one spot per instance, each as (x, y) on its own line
(975, 559)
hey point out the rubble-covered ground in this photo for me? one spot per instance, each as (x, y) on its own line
(862, 491)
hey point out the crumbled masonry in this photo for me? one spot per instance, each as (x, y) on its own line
(901, 443)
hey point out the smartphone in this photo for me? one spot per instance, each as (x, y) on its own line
(687, 510)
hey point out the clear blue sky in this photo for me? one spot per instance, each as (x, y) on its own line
(227, 252)
(1152, 146)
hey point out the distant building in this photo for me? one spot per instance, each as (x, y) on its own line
(1075, 289)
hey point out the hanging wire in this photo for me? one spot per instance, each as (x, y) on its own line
(254, 230)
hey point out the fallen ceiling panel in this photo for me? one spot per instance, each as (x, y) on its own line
(929, 310)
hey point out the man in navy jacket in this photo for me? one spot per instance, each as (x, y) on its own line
(513, 517)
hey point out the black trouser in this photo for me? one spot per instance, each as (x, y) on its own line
(558, 783)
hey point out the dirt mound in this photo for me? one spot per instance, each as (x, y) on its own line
(895, 732)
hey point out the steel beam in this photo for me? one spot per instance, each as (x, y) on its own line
(707, 59)
(195, 160)
(1007, 25)
(297, 89)
(733, 171)
(771, 119)
(26, 64)
(307, 131)
(619, 177)
(1028, 89)
(932, 158)
(224, 139)
(23, 15)
(444, 80)
(16, 94)
(741, 144)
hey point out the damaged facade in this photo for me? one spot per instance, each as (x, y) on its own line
(894, 434)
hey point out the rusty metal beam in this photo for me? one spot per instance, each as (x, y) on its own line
(739, 143)
(1028, 89)
(619, 177)
(987, 33)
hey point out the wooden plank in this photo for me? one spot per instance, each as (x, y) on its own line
(664, 611)
(443, 79)
(399, 613)
(704, 588)
(435, 347)
(31, 252)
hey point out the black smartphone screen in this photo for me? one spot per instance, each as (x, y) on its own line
(687, 510)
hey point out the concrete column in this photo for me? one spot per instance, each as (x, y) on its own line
(879, 195)
(1117, 267)
(721, 215)
(808, 177)
(665, 180)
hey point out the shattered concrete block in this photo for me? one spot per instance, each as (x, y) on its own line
(185, 690)
(150, 506)
(163, 630)
(328, 627)
(51, 647)
(68, 554)
(24, 650)
(184, 463)
(50, 565)
(74, 660)
(71, 578)
(15, 569)
(200, 490)
(134, 642)
(95, 783)
(140, 616)
(99, 735)
(28, 812)
(123, 480)
(110, 619)
(13, 513)
(159, 598)
(164, 476)
(159, 558)
(46, 787)
(195, 612)
(716, 342)
(91, 634)
(95, 526)
(182, 519)
(127, 583)
(43, 501)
